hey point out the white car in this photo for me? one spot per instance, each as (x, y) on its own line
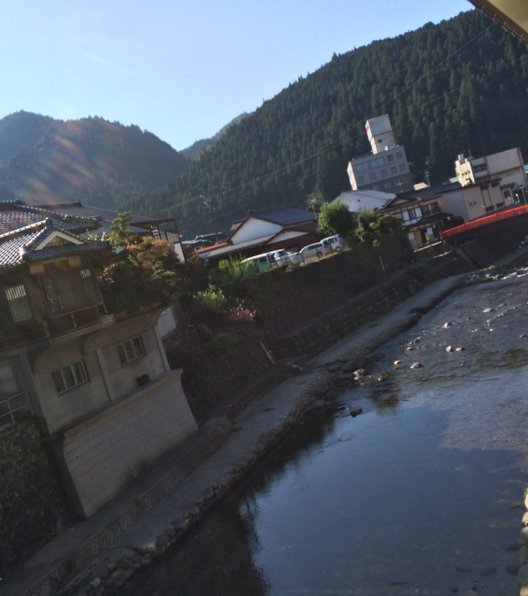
(335, 243)
(314, 251)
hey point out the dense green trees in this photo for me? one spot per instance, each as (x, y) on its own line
(457, 86)
(335, 218)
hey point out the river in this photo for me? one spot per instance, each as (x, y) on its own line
(420, 492)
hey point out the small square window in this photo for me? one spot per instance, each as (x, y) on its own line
(131, 350)
(70, 376)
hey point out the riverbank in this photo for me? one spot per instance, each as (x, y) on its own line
(135, 529)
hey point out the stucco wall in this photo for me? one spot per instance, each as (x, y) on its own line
(123, 377)
(110, 449)
(60, 409)
(108, 378)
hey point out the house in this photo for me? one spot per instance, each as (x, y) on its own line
(386, 167)
(422, 215)
(263, 231)
(98, 382)
(98, 221)
(357, 200)
(474, 200)
(505, 168)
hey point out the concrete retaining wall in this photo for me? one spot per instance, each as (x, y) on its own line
(109, 450)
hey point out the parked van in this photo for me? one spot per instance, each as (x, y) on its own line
(269, 260)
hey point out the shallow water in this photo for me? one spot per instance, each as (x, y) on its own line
(420, 494)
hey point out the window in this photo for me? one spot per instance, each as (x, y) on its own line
(393, 170)
(372, 176)
(399, 155)
(384, 173)
(390, 157)
(18, 303)
(131, 350)
(70, 376)
(402, 167)
(13, 403)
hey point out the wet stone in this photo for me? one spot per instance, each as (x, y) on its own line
(416, 365)
(522, 575)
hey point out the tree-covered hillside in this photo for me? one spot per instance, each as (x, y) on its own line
(101, 163)
(457, 86)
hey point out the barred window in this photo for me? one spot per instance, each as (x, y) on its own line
(70, 376)
(131, 350)
(18, 302)
(70, 290)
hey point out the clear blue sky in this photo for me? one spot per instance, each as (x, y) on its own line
(182, 69)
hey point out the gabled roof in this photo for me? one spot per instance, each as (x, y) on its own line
(356, 200)
(41, 241)
(286, 216)
(422, 194)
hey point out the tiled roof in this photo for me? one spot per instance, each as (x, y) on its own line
(286, 217)
(19, 246)
(22, 226)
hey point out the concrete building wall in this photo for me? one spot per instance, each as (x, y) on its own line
(379, 133)
(387, 171)
(506, 166)
(61, 409)
(470, 202)
(106, 452)
(124, 377)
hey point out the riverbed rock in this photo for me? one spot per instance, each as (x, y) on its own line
(416, 365)
(397, 362)
(487, 310)
(449, 349)
(459, 349)
(477, 569)
(524, 535)
(447, 324)
(525, 519)
(522, 575)
(356, 412)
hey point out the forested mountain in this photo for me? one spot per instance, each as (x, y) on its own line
(100, 163)
(457, 86)
(194, 151)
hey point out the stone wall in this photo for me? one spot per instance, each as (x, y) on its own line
(32, 507)
(212, 378)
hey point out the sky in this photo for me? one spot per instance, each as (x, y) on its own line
(182, 69)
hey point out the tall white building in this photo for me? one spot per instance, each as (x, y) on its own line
(386, 168)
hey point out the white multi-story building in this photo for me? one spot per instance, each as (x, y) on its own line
(505, 167)
(386, 168)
